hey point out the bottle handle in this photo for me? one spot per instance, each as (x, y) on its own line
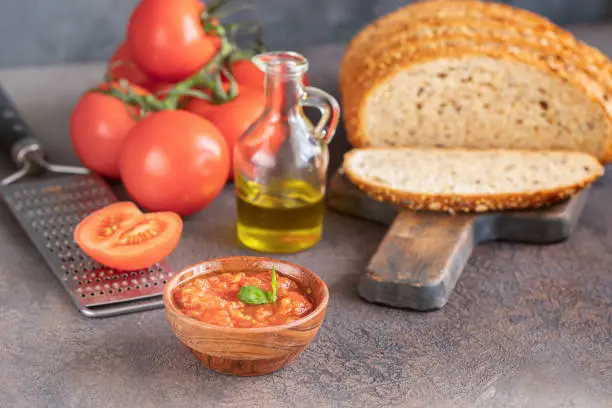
(329, 108)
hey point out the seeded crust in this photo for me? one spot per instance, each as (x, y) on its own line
(464, 203)
(440, 11)
(448, 12)
(529, 40)
(355, 93)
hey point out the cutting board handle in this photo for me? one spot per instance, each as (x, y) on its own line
(419, 261)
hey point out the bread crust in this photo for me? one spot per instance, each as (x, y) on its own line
(465, 203)
(536, 41)
(355, 94)
(449, 13)
(395, 21)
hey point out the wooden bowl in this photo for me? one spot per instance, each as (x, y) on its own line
(247, 351)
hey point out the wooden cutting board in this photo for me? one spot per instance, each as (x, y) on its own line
(419, 261)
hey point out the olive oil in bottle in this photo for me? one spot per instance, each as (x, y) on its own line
(280, 162)
(287, 217)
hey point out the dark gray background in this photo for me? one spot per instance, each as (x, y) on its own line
(40, 32)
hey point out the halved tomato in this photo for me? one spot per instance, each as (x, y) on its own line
(121, 237)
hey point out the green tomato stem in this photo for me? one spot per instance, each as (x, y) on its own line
(209, 77)
(202, 77)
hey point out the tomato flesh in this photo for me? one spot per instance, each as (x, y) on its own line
(102, 224)
(121, 237)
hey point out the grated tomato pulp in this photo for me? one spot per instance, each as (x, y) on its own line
(213, 299)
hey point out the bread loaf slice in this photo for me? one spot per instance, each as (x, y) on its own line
(464, 180)
(456, 93)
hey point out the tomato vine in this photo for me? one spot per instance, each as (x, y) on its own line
(207, 83)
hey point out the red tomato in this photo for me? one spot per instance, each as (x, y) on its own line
(234, 117)
(174, 161)
(167, 39)
(246, 73)
(121, 66)
(98, 126)
(121, 237)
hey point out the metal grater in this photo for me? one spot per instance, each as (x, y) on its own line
(49, 208)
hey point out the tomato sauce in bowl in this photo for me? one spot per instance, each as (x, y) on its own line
(213, 299)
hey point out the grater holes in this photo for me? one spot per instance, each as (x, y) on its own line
(164, 281)
(83, 295)
(133, 274)
(155, 283)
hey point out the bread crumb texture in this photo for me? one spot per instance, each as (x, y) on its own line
(465, 180)
(482, 102)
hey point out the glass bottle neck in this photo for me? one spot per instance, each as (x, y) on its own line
(283, 92)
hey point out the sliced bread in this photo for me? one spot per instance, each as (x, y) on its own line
(457, 93)
(464, 180)
(391, 98)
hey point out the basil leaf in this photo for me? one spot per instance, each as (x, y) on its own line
(253, 295)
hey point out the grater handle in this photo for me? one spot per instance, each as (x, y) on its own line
(116, 310)
(16, 137)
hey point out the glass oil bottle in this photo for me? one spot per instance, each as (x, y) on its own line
(281, 160)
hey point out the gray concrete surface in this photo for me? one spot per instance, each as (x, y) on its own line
(527, 326)
(38, 32)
